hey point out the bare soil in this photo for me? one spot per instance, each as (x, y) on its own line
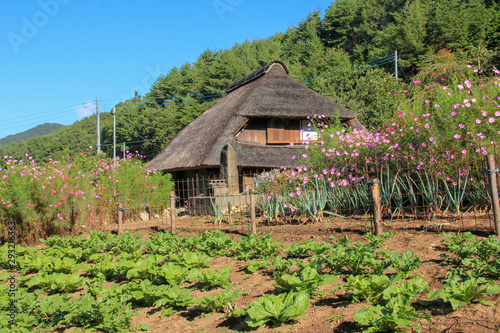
(330, 312)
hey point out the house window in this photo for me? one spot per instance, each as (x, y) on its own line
(282, 131)
(307, 132)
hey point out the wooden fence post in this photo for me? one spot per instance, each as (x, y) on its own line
(172, 212)
(377, 206)
(492, 179)
(252, 213)
(120, 217)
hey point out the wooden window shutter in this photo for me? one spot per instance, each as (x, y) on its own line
(282, 131)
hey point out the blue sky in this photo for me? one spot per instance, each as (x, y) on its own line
(57, 56)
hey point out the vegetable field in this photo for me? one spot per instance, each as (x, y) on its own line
(300, 278)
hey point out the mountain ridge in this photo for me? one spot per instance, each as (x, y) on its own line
(38, 130)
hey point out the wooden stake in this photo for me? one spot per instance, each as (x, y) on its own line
(120, 217)
(252, 213)
(172, 212)
(492, 179)
(377, 206)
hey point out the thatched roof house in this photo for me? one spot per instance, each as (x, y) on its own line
(252, 126)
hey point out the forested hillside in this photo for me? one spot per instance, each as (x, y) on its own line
(39, 130)
(351, 46)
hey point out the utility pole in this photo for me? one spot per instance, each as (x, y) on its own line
(114, 146)
(123, 150)
(396, 65)
(114, 137)
(98, 126)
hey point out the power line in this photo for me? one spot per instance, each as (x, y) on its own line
(177, 96)
(173, 103)
(207, 96)
(43, 112)
(36, 123)
(139, 134)
(344, 69)
(140, 141)
(332, 74)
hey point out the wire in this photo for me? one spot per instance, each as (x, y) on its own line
(43, 112)
(37, 123)
(343, 69)
(206, 96)
(166, 104)
(358, 67)
(176, 96)
(141, 141)
(139, 134)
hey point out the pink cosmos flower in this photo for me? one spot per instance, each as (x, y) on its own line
(457, 136)
(437, 105)
(478, 121)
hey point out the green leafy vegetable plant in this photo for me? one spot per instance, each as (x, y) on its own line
(367, 288)
(173, 299)
(256, 246)
(409, 289)
(307, 280)
(404, 263)
(395, 315)
(460, 292)
(254, 265)
(304, 249)
(56, 282)
(212, 279)
(216, 303)
(276, 309)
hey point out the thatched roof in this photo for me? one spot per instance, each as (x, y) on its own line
(266, 93)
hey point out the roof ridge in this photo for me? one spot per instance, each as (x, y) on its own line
(255, 75)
